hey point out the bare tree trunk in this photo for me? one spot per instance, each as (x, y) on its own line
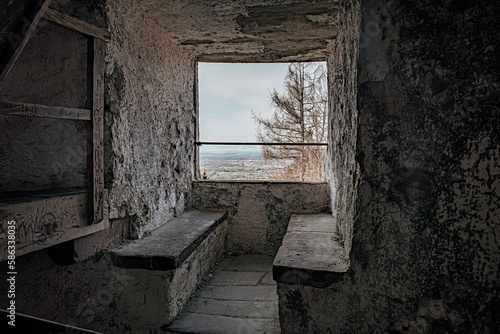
(299, 117)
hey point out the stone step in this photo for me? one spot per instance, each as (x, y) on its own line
(233, 301)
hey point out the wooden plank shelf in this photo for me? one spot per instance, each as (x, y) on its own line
(46, 219)
(40, 110)
(29, 196)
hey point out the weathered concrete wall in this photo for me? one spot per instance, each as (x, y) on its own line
(258, 212)
(428, 234)
(46, 154)
(425, 250)
(149, 114)
(342, 171)
(150, 118)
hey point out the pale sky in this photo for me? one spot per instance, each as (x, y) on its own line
(229, 92)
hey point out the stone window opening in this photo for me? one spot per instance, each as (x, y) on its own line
(280, 135)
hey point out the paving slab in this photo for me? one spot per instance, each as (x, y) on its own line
(250, 262)
(268, 279)
(214, 324)
(251, 293)
(234, 308)
(235, 278)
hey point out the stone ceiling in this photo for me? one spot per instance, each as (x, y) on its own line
(249, 31)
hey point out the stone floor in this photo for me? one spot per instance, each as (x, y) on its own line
(239, 296)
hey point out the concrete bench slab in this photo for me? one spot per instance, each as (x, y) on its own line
(310, 254)
(171, 244)
(165, 267)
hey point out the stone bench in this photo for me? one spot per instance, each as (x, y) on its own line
(308, 264)
(164, 268)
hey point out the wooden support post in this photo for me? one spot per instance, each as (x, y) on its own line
(97, 184)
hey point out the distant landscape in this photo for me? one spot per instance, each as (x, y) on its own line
(238, 166)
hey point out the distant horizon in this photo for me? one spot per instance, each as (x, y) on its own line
(229, 149)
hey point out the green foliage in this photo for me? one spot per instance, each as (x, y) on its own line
(340, 238)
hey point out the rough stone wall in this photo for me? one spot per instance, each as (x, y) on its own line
(259, 212)
(425, 250)
(429, 233)
(149, 120)
(341, 168)
(149, 146)
(37, 153)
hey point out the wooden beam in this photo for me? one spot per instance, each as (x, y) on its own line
(77, 25)
(42, 222)
(98, 129)
(40, 110)
(22, 35)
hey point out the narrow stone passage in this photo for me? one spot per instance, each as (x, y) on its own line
(238, 297)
